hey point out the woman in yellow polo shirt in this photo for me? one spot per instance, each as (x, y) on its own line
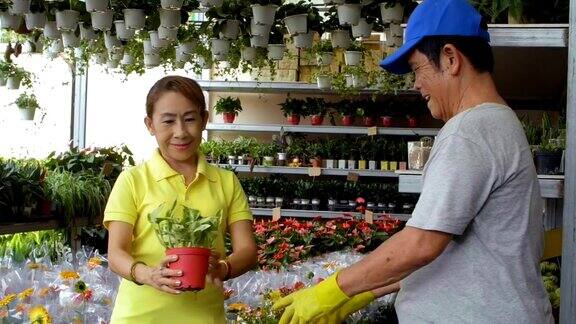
(176, 115)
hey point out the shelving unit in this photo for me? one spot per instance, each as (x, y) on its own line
(39, 224)
(305, 171)
(324, 214)
(529, 35)
(352, 130)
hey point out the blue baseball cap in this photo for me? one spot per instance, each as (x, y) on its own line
(435, 18)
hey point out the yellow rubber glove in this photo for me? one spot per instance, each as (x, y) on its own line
(308, 304)
(341, 313)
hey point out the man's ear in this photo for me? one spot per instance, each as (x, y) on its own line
(148, 123)
(451, 59)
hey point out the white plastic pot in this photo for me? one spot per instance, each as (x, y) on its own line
(259, 41)
(169, 18)
(349, 80)
(13, 83)
(69, 39)
(127, 59)
(111, 42)
(188, 47)
(351, 164)
(171, 4)
(67, 20)
(100, 58)
(349, 14)
(341, 164)
(112, 64)
(324, 81)
(220, 47)
(151, 60)
(9, 21)
(134, 18)
(96, 5)
(324, 58)
(156, 42)
(167, 34)
(35, 20)
(263, 15)
(371, 165)
(148, 49)
(276, 51)
(340, 38)
(259, 30)
(181, 56)
(86, 33)
(102, 20)
(393, 14)
(116, 54)
(50, 30)
(220, 57)
(211, 3)
(396, 30)
(248, 53)
(27, 113)
(362, 29)
(352, 57)
(122, 32)
(230, 29)
(20, 7)
(329, 163)
(359, 81)
(303, 40)
(397, 41)
(56, 46)
(297, 24)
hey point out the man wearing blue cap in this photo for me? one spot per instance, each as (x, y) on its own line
(471, 251)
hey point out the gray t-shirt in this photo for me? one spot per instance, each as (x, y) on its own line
(480, 185)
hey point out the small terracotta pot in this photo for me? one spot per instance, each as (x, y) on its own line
(294, 119)
(229, 117)
(347, 120)
(193, 262)
(317, 120)
(386, 121)
(369, 121)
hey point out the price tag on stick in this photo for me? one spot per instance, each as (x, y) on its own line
(276, 214)
(353, 176)
(369, 217)
(314, 172)
(372, 131)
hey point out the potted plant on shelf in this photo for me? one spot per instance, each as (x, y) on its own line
(353, 53)
(267, 152)
(330, 148)
(18, 76)
(27, 104)
(548, 154)
(316, 153)
(292, 109)
(367, 110)
(229, 107)
(188, 235)
(316, 109)
(295, 16)
(324, 52)
(347, 111)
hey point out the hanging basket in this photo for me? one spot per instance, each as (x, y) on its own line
(151, 60)
(122, 32)
(248, 54)
(69, 39)
(259, 41)
(340, 38)
(148, 49)
(134, 18)
(156, 42)
(349, 14)
(87, 34)
(35, 20)
(67, 20)
(102, 20)
(181, 56)
(230, 30)
(211, 3)
(303, 40)
(297, 24)
(220, 47)
(56, 47)
(359, 81)
(349, 80)
(13, 83)
(324, 81)
(324, 58)
(394, 14)
(259, 30)
(50, 30)
(167, 34)
(127, 59)
(9, 21)
(171, 4)
(96, 5)
(362, 29)
(27, 113)
(112, 64)
(20, 7)
(352, 57)
(264, 15)
(169, 18)
(111, 41)
(276, 51)
(188, 47)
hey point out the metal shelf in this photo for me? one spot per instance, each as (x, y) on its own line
(304, 171)
(32, 225)
(529, 35)
(355, 130)
(324, 214)
(550, 186)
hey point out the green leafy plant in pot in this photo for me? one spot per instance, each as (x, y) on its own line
(229, 107)
(188, 235)
(347, 111)
(27, 104)
(292, 109)
(316, 109)
(548, 155)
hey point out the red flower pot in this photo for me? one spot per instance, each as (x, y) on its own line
(193, 262)
(412, 122)
(369, 121)
(347, 120)
(294, 119)
(317, 120)
(386, 121)
(229, 117)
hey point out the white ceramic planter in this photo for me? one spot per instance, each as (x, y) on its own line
(127, 59)
(169, 18)
(122, 32)
(349, 14)
(362, 29)
(394, 14)
(211, 3)
(220, 47)
(351, 164)
(156, 42)
(27, 113)
(20, 7)
(324, 59)
(352, 57)
(148, 49)
(112, 64)
(330, 164)
(258, 29)
(303, 40)
(259, 41)
(349, 80)
(248, 53)
(276, 51)
(13, 83)
(102, 20)
(134, 18)
(167, 34)
(340, 38)
(86, 33)
(69, 39)
(171, 4)
(67, 20)
(324, 81)
(151, 60)
(359, 81)
(297, 24)
(35, 20)
(371, 165)
(96, 5)
(263, 15)
(230, 29)
(50, 30)
(9, 21)
(111, 42)
(341, 164)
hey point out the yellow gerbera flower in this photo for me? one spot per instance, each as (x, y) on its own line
(39, 315)
(26, 293)
(237, 307)
(7, 300)
(94, 262)
(69, 275)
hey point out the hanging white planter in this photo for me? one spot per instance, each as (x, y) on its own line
(359, 81)
(324, 58)
(96, 5)
(116, 54)
(219, 57)
(397, 41)
(35, 20)
(349, 14)
(324, 81)
(122, 32)
(171, 4)
(2, 81)
(248, 54)
(9, 21)
(102, 20)
(67, 20)
(230, 29)
(276, 51)
(211, 3)
(259, 41)
(349, 80)
(27, 113)
(169, 18)
(181, 56)
(259, 30)
(340, 38)
(69, 39)
(56, 47)
(134, 18)
(86, 33)
(393, 14)
(111, 42)
(148, 49)
(188, 47)
(396, 30)
(297, 24)
(20, 7)
(303, 40)
(13, 83)
(362, 29)
(389, 37)
(352, 57)
(156, 42)
(50, 30)
(220, 47)
(264, 15)
(99, 58)
(167, 34)
(112, 64)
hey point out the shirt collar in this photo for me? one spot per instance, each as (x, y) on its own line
(162, 170)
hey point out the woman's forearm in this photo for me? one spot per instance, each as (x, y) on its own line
(120, 263)
(242, 261)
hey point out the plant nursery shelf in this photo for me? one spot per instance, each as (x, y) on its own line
(32, 225)
(305, 171)
(324, 214)
(355, 130)
(529, 35)
(551, 186)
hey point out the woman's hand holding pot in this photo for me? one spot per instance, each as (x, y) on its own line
(165, 279)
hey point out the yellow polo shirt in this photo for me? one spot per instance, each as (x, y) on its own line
(137, 192)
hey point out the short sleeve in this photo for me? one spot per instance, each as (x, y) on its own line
(238, 208)
(457, 181)
(121, 204)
